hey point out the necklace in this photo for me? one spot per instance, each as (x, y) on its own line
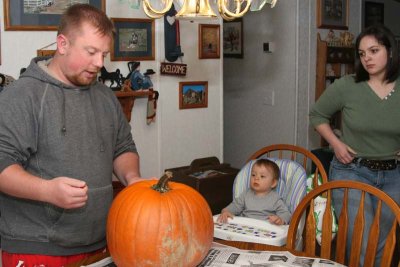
(390, 93)
(381, 88)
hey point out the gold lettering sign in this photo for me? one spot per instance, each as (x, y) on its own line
(173, 69)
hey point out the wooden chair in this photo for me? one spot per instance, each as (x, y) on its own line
(295, 153)
(310, 247)
(290, 152)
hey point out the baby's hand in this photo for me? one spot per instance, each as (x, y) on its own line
(275, 220)
(223, 217)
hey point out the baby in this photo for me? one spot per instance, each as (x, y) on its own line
(260, 201)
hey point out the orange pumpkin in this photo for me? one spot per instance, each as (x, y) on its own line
(156, 223)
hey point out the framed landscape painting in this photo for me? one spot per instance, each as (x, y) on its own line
(233, 38)
(193, 95)
(44, 15)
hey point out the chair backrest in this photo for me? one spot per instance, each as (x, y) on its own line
(306, 206)
(295, 164)
(294, 153)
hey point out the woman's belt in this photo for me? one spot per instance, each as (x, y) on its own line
(377, 165)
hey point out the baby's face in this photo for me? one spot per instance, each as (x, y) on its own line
(262, 180)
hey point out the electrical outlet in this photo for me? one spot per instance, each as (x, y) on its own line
(269, 98)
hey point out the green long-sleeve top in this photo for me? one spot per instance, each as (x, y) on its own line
(370, 125)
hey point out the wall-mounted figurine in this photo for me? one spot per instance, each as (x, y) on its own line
(147, 84)
(113, 77)
(136, 79)
(346, 39)
(172, 36)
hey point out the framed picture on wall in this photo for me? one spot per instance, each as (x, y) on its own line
(233, 38)
(209, 44)
(193, 95)
(134, 40)
(373, 13)
(24, 15)
(398, 43)
(333, 14)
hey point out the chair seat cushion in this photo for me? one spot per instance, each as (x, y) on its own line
(319, 209)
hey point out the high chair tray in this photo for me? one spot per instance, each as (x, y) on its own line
(251, 230)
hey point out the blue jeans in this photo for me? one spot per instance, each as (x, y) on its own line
(387, 181)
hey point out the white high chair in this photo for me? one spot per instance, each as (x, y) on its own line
(295, 165)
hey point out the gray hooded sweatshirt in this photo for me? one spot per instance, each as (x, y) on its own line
(52, 129)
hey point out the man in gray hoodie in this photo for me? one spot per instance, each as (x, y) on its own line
(62, 135)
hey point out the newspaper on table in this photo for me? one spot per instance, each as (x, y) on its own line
(225, 256)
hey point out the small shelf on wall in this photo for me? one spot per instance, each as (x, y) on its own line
(127, 99)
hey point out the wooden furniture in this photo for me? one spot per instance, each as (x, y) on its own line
(306, 206)
(341, 62)
(216, 187)
(283, 151)
(295, 153)
(127, 99)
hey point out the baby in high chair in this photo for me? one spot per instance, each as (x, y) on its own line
(260, 201)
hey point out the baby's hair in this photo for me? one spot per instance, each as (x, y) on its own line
(269, 165)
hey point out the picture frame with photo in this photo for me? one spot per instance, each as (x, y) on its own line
(193, 94)
(374, 13)
(24, 15)
(209, 41)
(333, 14)
(134, 40)
(233, 38)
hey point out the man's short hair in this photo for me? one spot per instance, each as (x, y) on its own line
(73, 18)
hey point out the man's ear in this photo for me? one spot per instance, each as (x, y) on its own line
(62, 44)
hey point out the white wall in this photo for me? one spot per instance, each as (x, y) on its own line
(178, 136)
(289, 71)
(250, 123)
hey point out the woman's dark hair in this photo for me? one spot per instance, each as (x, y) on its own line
(386, 38)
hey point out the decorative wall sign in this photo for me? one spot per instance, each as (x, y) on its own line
(193, 95)
(134, 40)
(172, 38)
(173, 69)
(24, 15)
(333, 14)
(45, 51)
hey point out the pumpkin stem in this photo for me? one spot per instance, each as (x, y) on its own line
(162, 184)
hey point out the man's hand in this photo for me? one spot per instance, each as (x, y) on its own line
(66, 193)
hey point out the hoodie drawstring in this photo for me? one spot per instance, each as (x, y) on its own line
(63, 120)
(96, 119)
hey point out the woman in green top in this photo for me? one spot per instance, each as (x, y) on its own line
(369, 102)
